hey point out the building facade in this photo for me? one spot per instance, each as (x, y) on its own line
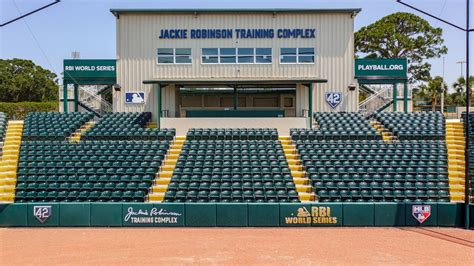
(267, 58)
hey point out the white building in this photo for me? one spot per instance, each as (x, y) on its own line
(235, 63)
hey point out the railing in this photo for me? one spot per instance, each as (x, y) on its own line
(92, 99)
(374, 102)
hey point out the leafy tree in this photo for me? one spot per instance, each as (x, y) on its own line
(432, 90)
(402, 35)
(22, 80)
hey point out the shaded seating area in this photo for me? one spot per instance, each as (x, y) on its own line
(371, 170)
(232, 165)
(337, 126)
(232, 134)
(116, 126)
(412, 126)
(52, 126)
(88, 171)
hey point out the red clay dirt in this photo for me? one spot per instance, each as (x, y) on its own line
(116, 246)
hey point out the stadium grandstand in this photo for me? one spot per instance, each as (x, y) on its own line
(203, 132)
(69, 157)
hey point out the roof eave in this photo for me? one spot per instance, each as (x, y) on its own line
(117, 11)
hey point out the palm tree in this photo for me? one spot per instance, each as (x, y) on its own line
(432, 90)
(459, 96)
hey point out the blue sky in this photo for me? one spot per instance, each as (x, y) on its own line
(88, 26)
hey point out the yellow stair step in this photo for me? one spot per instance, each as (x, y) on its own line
(457, 197)
(165, 174)
(300, 181)
(303, 188)
(159, 188)
(168, 168)
(456, 181)
(174, 151)
(298, 174)
(163, 181)
(156, 197)
(292, 156)
(293, 162)
(7, 189)
(7, 197)
(295, 167)
(172, 156)
(9, 157)
(456, 173)
(304, 196)
(170, 162)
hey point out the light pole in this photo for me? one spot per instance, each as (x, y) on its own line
(461, 63)
(442, 91)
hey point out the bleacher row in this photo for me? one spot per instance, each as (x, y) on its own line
(344, 158)
(3, 126)
(223, 165)
(471, 144)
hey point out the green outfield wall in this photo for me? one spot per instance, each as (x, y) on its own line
(69, 214)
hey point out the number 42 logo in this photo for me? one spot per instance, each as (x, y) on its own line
(333, 98)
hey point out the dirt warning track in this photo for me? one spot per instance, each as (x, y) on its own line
(236, 246)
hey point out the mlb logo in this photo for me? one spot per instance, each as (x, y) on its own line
(421, 212)
(134, 97)
(333, 99)
(42, 213)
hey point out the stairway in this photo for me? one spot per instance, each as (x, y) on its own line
(455, 144)
(302, 183)
(163, 177)
(9, 162)
(76, 136)
(151, 125)
(387, 136)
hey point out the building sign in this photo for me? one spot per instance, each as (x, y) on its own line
(89, 69)
(149, 215)
(390, 68)
(316, 215)
(134, 97)
(42, 213)
(421, 212)
(333, 99)
(303, 33)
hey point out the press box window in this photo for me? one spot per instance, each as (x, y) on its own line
(263, 55)
(174, 56)
(210, 56)
(297, 55)
(227, 56)
(245, 55)
(305, 55)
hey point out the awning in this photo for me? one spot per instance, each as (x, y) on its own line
(236, 82)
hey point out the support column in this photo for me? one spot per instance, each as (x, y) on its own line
(76, 98)
(310, 97)
(159, 106)
(235, 99)
(394, 97)
(65, 97)
(405, 96)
